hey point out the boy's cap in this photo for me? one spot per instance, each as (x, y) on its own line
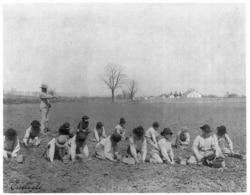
(116, 137)
(66, 125)
(85, 117)
(61, 141)
(35, 124)
(206, 128)
(122, 120)
(221, 130)
(166, 131)
(139, 131)
(156, 124)
(99, 125)
(10, 133)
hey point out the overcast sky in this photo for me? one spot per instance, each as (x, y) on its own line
(165, 47)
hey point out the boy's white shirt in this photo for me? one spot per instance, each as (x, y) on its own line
(16, 149)
(152, 133)
(106, 145)
(201, 145)
(97, 136)
(133, 148)
(204, 144)
(228, 140)
(27, 135)
(165, 148)
(72, 144)
(52, 144)
(121, 130)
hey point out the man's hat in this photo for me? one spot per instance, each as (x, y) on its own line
(139, 131)
(61, 141)
(166, 131)
(122, 120)
(44, 86)
(81, 136)
(85, 117)
(206, 128)
(221, 130)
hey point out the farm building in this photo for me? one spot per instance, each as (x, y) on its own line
(163, 96)
(152, 97)
(192, 94)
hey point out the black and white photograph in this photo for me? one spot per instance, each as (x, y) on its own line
(124, 97)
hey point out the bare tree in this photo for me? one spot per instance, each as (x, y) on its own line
(132, 89)
(114, 78)
(125, 94)
(52, 92)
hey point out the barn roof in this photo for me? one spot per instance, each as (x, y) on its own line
(190, 91)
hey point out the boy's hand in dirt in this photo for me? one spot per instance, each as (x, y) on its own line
(137, 161)
(7, 159)
(169, 162)
(113, 160)
(199, 157)
(12, 159)
(24, 145)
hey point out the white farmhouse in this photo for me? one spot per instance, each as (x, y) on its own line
(192, 94)
(163, 96)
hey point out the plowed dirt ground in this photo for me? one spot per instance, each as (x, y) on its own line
(103, 176)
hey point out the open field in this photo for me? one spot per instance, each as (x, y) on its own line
(104, 176)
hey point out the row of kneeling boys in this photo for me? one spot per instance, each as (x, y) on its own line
(208, 149)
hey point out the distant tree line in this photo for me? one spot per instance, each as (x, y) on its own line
(234, 95)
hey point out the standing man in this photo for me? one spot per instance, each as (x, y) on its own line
(44, 108)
